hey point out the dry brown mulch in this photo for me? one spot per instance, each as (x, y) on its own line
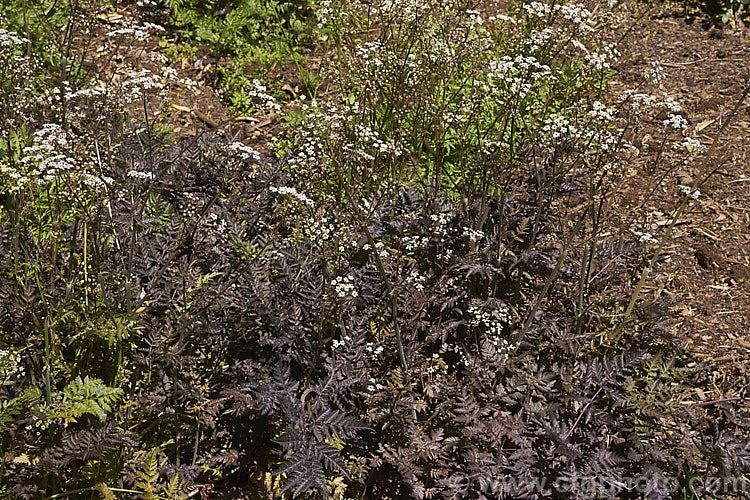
(189, 110)
(704, 277)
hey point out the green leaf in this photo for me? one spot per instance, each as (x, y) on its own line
(12, 408)
(105, 492)
(88, 396)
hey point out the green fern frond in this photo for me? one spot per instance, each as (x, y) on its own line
(88, 396)
(149, 477)
(173, 488)
(105, 492)
(10, 409)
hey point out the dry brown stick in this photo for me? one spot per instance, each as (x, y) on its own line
(214, 124)
(688, 63)
(706, 403)
(258, 125)
(208, 121)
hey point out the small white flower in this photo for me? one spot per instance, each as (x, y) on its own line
(688, 191)
(245, 152)
(169, 73)
(693, 146)
(504, 19)
(284, 190)
(340, 343)
(415, 281)
(645, 237)
(537, 9)
(473, 235)
(344, 287)
(137, 174)
(11, 38)
(10, 364)
(655, 73)
(672, 105)
(475, 16)
(412, 243)
(675, 121)
(259, 93)
(601, 112)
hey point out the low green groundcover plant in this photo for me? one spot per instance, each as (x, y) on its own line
(255, 33)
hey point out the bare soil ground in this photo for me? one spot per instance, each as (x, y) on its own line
(704, 277)
(703, 280)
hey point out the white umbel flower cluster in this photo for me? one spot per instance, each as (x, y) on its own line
(689, 192)
(11, 39)
(290, 191)
(260, 93)
(137, 31)
(140, 175)
(244, 152)
(10, 365)
(344, 287)
(492, 319)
